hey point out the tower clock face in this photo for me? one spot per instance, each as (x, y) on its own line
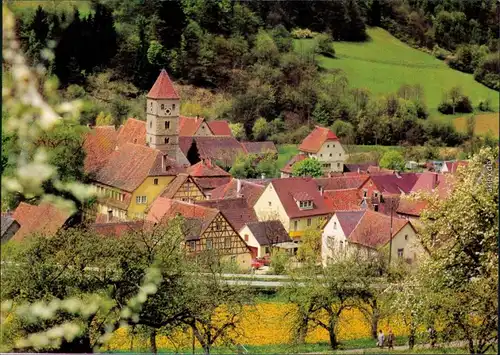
(167, 111)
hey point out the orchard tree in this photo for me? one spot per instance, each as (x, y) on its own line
(392, 160)
(307, 167)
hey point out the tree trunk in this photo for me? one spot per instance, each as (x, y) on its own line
(333, 338)
(152, 341)
(411, 338)
(471, 346)
(374, 325)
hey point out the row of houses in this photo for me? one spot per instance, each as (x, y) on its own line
(147, 172)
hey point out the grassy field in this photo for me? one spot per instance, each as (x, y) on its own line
(285, 153)
(384, 63)
(485, 123)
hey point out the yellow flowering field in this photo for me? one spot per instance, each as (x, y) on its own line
(268, 324)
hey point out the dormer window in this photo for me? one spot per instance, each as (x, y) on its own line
(305, 204)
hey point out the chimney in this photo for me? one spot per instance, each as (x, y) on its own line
(110, 216)
(164, 162)
(359, 170)
(197, 117)
(238, 188)
(321, 190)
(397, 174)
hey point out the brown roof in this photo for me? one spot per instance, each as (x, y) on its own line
(341, 182)
(369, 228)
(314, 141)
(219, 148)
(362, 167)
(394, 183)
(235, 210)
(133, 131)
(411, 207)
(288, 167)
(43, 219)
(99, 143)
(269, 232)
(287, 188)
(249, 190)
(211, 182)
(205, 168)
(163, 88)
(260, 147)
(343, 200)
(220, 128)
(175, 185)
(117, 229)
(188, 126)
(131, 164)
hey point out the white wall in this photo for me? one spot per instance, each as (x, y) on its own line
(269, 207)
(331, 239)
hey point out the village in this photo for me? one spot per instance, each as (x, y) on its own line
(148, 172)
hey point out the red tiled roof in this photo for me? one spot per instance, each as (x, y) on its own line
(163, 88)
(411, 207)
(220, 128)
(212, 182)
(314, 141)
(249, 190)
(302, 196)
(453, 165)
(99, 143)
(363, 167)
(394, 184)
(117, 229)
(219, 148)
(205, 168)
(235, 210)
(349, 220)
(341, 182)
(188, 126)
(286, 188)
(427, 182)
(373, 229)
(175, 185)
(260, 147)
(288, 167)
(131, 164)
(343, 200)
(43, 219)
(133, 131)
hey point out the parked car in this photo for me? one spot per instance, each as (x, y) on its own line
(257, 263)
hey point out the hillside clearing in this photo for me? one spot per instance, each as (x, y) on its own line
(485, 123)
(384, 63)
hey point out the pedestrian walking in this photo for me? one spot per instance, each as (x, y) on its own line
(380, 338)
(432, 336)
(390, 340)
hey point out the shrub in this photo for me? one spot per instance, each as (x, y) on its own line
(300, 33)
(488, 71)
(260, 129)
(455, 101)
(485, 105)
(468, 57)
(325, 46)
(392, 160)
(440, 53)
(307, 167)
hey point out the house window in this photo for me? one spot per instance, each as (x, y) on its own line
(406, 236)
(217, 226)
(338, 165)
(364, 193)
(400, 253)
(308, 222)
(162, 106)
(138, 200)
(192, 245)
(328, 145)
(150, 124)
(209, 244)
(334, 145)
(144, 199)
(330, 154)
(167, 124)
(269, 203)
(267, 250)
(340, 154)
(246, 237)
(334, 225)
(321, 155)
(227, 242)
(155, 181)
(375, 208)
(295, 225)
(167, 140)
(173, 107)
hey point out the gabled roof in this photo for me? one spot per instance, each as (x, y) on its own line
(373, 229)
(205, 168)
(132, 131)
(315, 140)
(131, 164)
(295, 159)
(452, 166)
(235, 210)
(98, 144)
(395, 183)
(341, 182)
(249, 190)
(362, 167)
(287, 188)
(260, 147)
(206, 183)
(175, 185)
(163, 88)
(343, 200)
(220, 128)
(188, 126)
(117, 229)
(163, 209)
(411, 207)
(269, 232)
(45, 219)
(348, 220)
(217, 148)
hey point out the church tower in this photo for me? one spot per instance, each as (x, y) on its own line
(162, 113)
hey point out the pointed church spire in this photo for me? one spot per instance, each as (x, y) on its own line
(163, 88)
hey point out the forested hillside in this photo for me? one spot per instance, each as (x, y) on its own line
(241, 64)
